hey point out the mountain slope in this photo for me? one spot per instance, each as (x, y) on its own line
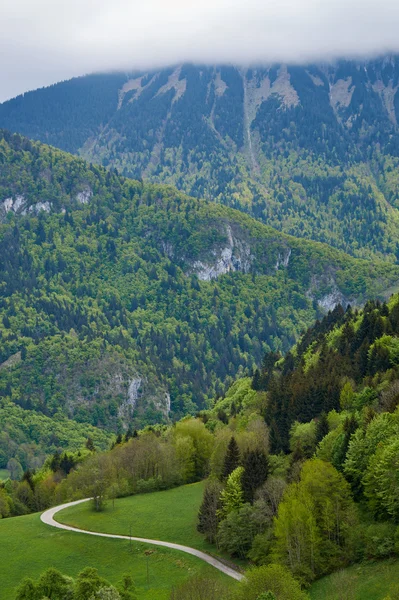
(312, 151)
(349, 361)
(124, 301)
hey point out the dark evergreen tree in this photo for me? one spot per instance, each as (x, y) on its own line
(128, 434)
(67, 463)
(256, 380)
(90, 444)
(28, 477)
(322, 427)
(208, 519)
(232, 458)
(256, 470)
(55, 462)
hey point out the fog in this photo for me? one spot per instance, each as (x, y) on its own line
(44, 41)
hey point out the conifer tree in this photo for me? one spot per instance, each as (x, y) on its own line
(208, 518)
(232, 497)
(256, 469)
(90, 444)
(322, 427)
(232, 458)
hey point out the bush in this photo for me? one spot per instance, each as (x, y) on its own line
(272, 578)
(237, 531)
(199, 588)
(261, 547)
(379, 540)
(145, 486)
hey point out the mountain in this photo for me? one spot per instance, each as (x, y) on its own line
(124, 303)
(312, 151)
(347, 363)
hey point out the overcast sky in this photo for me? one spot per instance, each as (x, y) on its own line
(44, 41)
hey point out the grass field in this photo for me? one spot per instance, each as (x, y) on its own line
(369, 581)
(4, 474)
(28, 547)
(170, 516)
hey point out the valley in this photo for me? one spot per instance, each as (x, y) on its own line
(199, 312)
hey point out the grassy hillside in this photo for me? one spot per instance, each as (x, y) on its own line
(150, 516)
(122, 301)
(368, 581)
(28, 547)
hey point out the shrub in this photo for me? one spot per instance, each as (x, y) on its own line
(272, 578)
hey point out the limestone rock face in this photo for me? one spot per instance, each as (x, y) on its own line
(235, 256)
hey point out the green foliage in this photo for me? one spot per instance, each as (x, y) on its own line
(272, 578)
(52, 585)
(309, 166)
(208, 514)
(353, 372)
(29, 436)
(232, 496)
(314, 520)
(232, 458)
(381, 480)
(201, 442)
(88, 582)
(364, 445)
(108, 294)
(380, 540)
(303, 439)
(239, 396)
(237, 531)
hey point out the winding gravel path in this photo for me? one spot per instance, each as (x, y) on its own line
(48, 518)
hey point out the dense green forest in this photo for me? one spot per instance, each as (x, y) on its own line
(325, 498)
(310, 150)
(124, 303)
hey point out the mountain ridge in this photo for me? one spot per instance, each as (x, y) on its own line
(140, 299)
(312, 150)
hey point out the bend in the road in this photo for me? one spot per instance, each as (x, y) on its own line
(48, 518)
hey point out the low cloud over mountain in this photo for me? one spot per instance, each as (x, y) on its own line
(45, 41)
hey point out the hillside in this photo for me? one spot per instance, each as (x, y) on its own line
(312, 151)
(347, 362)
(122, 300)
(34, 547)
(332, 410)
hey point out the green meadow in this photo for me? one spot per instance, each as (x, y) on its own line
(28, 547)
(368, 581)
(170, 515)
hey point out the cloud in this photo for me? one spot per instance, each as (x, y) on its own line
(43, 41)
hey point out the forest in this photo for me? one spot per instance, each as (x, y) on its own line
(150, 340)
(297, 509)
(311, 150)
(110, 314)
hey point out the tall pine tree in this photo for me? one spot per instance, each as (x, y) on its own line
(232, 458)
(208, 519)
(256, 470)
